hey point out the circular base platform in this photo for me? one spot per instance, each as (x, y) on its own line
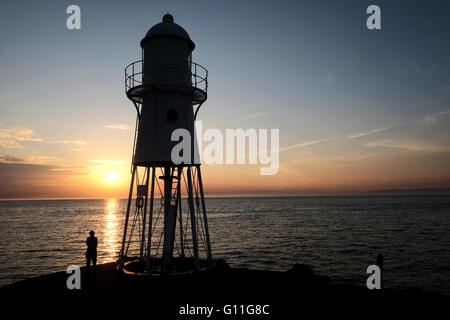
(179, 266)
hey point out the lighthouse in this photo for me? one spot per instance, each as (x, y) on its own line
(166, 227)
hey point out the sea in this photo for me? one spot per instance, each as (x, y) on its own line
(338, 236)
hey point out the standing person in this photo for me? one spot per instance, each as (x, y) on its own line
(91, 252)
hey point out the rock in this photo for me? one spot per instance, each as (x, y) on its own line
(302, 271)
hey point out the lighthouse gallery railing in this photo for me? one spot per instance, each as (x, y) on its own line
(134, 75)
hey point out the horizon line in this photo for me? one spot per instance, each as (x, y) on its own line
(366, 193)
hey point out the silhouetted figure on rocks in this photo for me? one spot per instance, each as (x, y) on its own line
(91, 252)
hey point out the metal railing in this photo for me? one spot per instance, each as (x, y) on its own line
(134, 73)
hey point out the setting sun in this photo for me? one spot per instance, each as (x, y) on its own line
(112, 177)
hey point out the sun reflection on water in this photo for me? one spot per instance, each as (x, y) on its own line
(111, 242)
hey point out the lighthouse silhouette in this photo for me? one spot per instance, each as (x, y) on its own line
(166, 227)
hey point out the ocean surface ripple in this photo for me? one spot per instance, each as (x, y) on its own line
(338, 236)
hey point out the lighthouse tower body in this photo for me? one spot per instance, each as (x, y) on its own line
(166, 228)
(168, 92)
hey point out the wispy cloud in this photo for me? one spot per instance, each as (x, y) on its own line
(366, 133)
(408, 144)
(251, 116)
(117, 126)
(79, 143)
(20, 134)
(6, 143)
(307, 144)
(437, 118)
(113, 162)
(78, 170)
(10, 137)
(26, 159)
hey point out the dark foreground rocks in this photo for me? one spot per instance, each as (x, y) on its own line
(231, 293)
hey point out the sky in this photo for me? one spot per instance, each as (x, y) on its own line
(357, 109)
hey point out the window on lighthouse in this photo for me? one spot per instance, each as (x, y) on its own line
(172, 115)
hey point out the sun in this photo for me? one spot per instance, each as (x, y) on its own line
(112, 176)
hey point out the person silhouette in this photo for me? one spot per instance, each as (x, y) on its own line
(91, 252)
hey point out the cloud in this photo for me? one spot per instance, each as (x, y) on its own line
(9, 137)
(117, 126)
(407, 144)
(113, 162)
(367, 133)
(251, 116)
(79, 143)
(437, 118)
(307, 143)
(26, 159)
(78, 170)
(23, 180)
(20, 134)
(10, 144)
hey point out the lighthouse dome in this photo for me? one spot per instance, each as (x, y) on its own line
(167, 28)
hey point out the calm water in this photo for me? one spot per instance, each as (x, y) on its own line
(337, 236)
